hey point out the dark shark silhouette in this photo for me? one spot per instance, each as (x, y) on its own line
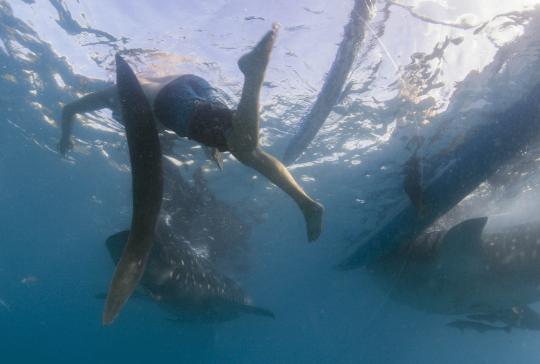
(186, 284)
(464, 271)
(195, 235)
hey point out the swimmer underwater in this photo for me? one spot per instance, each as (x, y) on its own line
(189, 106)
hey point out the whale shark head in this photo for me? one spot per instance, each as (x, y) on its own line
(116, 243)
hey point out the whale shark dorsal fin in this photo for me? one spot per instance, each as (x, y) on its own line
(460, 252)
(468, 230)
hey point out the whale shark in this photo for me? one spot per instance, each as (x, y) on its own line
(198, 240)
(464, 270)
(186, 284)
(213, 227)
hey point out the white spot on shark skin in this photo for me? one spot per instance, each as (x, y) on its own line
(202, 252)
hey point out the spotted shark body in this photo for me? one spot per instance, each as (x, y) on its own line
(185, 268)
(186, 284)
(463, 270)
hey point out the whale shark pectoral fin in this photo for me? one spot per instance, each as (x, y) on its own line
(147, 181)
(116, 244)
(215, 155)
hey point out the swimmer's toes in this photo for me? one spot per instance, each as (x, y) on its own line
(257, 59)
(313, 218)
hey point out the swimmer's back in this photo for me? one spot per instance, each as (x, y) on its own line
(192, 108)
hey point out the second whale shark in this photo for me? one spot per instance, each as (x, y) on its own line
(464, 270)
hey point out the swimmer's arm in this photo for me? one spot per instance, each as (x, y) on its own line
(91, 102)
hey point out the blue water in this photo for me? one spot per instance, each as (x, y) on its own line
(57, 212)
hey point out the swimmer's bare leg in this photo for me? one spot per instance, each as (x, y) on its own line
(243, 140)
(245, 132)
(95, 101)
(277, 173)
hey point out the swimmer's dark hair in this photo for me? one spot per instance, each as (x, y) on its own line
(210, 123)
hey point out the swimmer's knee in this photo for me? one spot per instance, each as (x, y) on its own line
(246, 156)
(241, 144)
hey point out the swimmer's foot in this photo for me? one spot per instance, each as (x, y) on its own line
(254, 63)
(313, 216)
